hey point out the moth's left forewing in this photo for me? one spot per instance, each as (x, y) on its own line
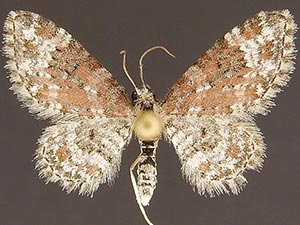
(209, 109)
(54, 75)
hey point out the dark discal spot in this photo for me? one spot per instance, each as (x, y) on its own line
(92, 134)
(109, 159)
(207, 147)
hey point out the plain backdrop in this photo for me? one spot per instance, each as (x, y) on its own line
(187, 29)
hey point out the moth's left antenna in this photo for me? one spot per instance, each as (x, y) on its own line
(125, 69)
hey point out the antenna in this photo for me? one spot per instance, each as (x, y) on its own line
(125, 69)
(144, 54)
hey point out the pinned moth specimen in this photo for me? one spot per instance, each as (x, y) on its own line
(207, 114)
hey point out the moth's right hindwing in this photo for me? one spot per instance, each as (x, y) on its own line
(216, 150)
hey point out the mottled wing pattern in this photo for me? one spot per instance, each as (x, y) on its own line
(215, 150)
(209, 109)
(56, 78)
(83, 154)
(53, 75)
(242, 72)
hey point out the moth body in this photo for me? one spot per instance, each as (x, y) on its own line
(148, 129)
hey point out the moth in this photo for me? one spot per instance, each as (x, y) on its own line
(207, 115)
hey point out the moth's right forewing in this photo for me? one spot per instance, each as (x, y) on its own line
(242, 72)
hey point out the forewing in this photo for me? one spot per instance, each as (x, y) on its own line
(82, 154)
(53, 75)
(242, 72)
(215, 150)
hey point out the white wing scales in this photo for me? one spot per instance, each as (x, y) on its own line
(56, 78)
(242, 72)
(209, 108)
(83, 154)
(215, 150)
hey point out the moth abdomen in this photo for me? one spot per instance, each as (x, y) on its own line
(146, 171)
(146, 178)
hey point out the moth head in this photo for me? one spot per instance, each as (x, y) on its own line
(144, 96)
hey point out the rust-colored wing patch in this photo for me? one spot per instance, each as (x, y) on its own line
(242, 72)
(54, 76)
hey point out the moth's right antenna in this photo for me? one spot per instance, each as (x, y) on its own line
(125, 69)
(144, 54)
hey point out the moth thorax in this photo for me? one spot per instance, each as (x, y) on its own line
(148, 126)
(146, 179)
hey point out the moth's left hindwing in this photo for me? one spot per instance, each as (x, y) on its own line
(210, 107)
(57, 79)
(83, 154)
